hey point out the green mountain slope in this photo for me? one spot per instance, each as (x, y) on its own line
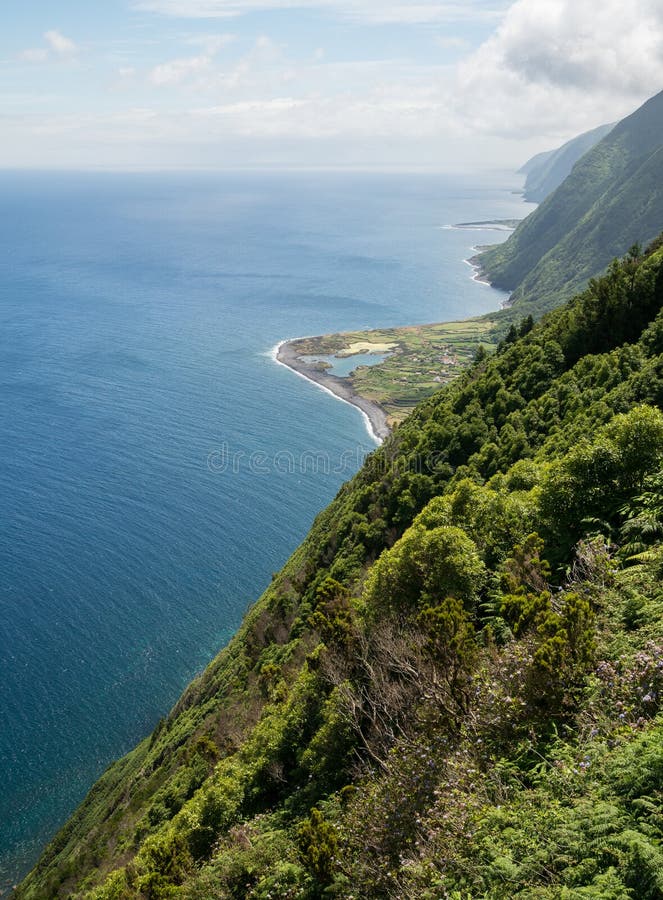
(454, 686)
(612, 199)
(546, 171)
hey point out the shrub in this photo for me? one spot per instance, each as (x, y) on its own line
(319, 845)
(425, 566)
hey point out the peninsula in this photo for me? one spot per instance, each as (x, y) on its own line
(413, 362)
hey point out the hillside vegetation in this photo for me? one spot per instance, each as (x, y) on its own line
(547, 171)
(612, 199)
(453, 688)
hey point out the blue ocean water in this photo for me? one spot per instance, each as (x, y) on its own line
(136, 386)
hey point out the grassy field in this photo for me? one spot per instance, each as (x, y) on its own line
(422, 359)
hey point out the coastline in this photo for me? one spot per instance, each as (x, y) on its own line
(478, 273)
(375, 418)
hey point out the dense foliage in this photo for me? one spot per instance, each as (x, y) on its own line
(546, 171)
(453, 688)
(612, 199)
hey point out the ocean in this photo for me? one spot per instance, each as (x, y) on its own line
(144, 423)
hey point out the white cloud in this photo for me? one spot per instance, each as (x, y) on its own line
(178, 70)
(183, 69)
(212, 43)
(261, 67)
(384, 11)
(60, 44)
(562, 66)
(383, 111)
(551, 69)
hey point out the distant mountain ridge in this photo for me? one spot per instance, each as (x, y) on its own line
(612, 199)
(546, 171)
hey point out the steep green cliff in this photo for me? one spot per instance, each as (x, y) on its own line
(612, 199)
(453, 688)
(547, 171)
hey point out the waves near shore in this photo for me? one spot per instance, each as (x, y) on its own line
(374, 416)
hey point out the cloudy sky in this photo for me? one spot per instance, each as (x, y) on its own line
(444, 84)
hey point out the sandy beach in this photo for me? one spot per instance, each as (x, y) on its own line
(375, 416)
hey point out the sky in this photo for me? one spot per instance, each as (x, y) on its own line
(371, 84)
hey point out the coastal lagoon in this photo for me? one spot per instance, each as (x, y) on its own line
(137, 316)
(342, 366)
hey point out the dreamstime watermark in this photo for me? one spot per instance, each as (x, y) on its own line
(226, 460)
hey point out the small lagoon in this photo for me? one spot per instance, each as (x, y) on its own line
(343, 366)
